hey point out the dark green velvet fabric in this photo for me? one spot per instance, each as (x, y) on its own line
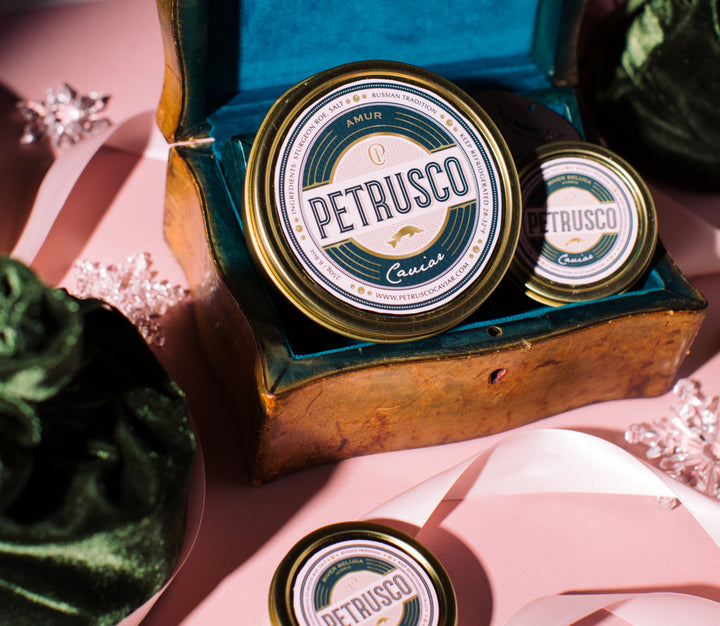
(95, 458)
(652, 82)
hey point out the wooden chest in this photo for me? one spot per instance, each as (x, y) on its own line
(305, 395)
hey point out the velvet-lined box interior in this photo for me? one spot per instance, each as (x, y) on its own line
(297, 350)
(238, 57)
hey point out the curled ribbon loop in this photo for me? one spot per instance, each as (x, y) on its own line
(648, 609)
(565, 461)
(136, 134)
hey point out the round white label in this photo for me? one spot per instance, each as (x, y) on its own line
(388, 196)
(580, 221)
(363, 582)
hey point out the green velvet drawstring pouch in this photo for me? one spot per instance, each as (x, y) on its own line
(95, 459)
(652, 83)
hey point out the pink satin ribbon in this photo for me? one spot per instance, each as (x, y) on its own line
(565, 461)
(647, 609)
(136, 134)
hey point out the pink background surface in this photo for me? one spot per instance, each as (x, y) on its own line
(503, 551)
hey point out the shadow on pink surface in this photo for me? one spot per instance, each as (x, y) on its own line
(707, 341)
(239, 518)
(22, 168)
(84, 210)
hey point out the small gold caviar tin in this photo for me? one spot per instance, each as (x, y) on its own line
(589, 228)
(381, 200)
(361, 573)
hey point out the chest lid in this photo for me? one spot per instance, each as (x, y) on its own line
(227, 62)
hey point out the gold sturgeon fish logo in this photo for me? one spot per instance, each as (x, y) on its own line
(405, 231)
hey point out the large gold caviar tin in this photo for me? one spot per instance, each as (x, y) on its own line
(589, 226)
(381, 200)
(361, 572)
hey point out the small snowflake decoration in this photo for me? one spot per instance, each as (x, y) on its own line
(685, 444)
(64, 116)
(133, 289)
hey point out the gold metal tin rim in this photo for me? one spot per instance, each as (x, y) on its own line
(281, 587)
(265, 239)
(553, 293)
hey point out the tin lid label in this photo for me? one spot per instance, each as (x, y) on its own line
(589, 228)
(362, 581)
(388, 196)
(581, 221)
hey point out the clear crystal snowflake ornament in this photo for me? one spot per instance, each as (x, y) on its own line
(64, 116)
(132, 288)
(685, 444)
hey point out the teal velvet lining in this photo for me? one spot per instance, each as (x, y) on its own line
(508, 307)
(281, 43)
(256, 50)
(297, 350)
(95, 459)
(245, 112)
